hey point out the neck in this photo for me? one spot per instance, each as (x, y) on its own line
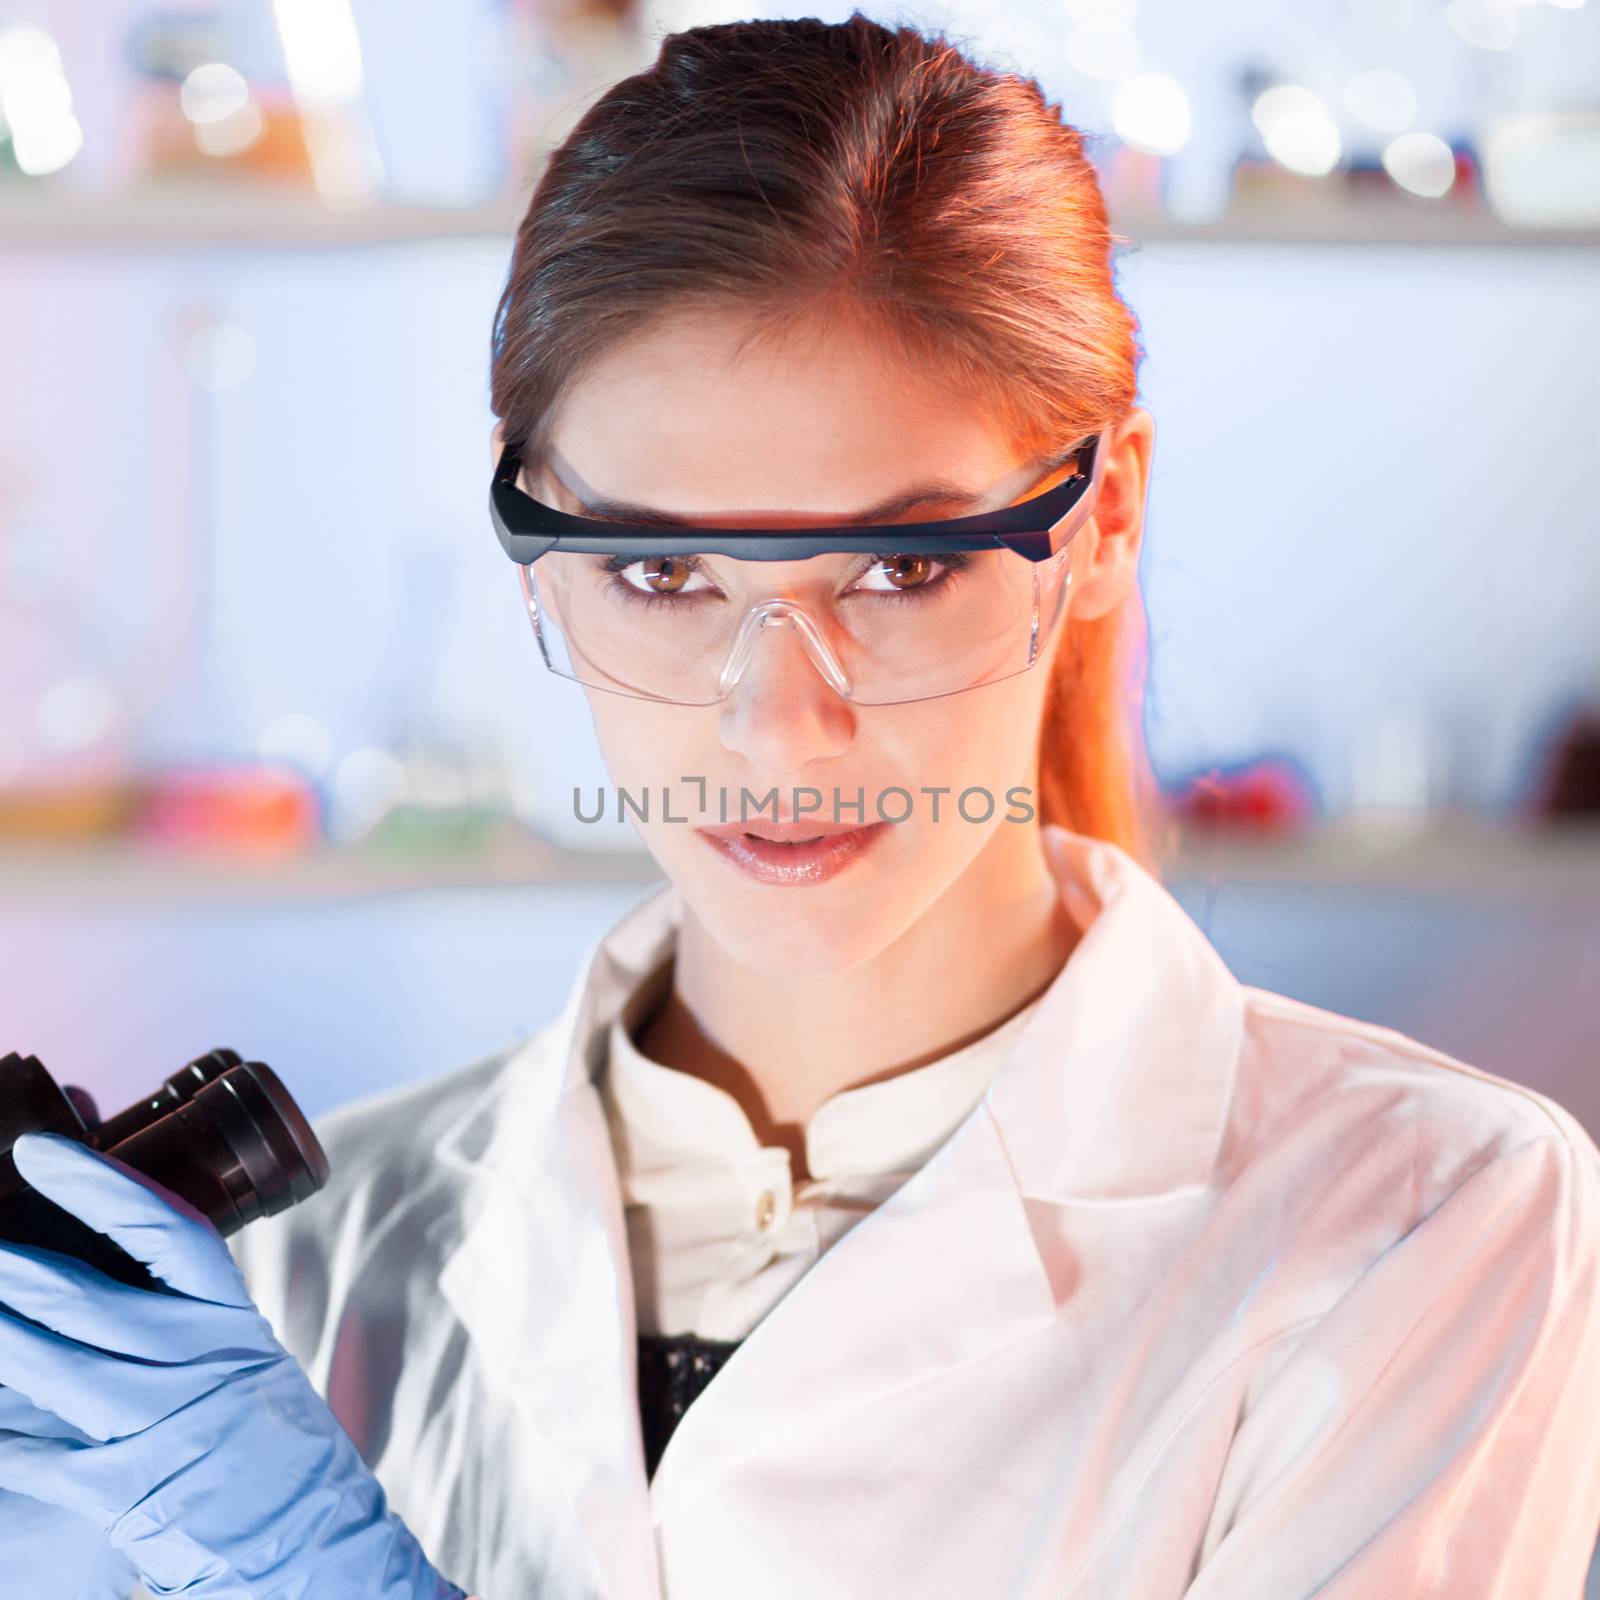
(991, 943)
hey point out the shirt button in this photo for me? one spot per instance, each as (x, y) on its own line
(766, 1209)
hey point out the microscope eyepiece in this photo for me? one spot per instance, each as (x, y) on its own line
(221, 1133)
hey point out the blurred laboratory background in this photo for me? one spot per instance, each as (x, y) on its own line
(280, 766)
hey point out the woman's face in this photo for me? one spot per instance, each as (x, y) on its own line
(810, 433)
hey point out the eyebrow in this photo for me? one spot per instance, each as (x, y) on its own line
(939, 490)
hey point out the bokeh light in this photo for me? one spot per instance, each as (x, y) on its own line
(1151, 112)
(1421, 163)
(1297, 129)
(1382, 99)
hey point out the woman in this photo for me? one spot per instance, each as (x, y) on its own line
(924, 1210)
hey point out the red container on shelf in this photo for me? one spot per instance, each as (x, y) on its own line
(241, 811)
(1267, 796)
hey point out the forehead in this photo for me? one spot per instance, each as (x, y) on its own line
(682, 419)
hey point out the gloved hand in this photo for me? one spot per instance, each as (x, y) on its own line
(48, 1553)
(177, 1423)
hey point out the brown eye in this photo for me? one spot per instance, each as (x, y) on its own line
(907, 572)
(664, 574)
(654, 577)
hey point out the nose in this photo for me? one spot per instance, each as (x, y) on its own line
(782, 713)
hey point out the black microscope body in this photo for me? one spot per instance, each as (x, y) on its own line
(221, 1133)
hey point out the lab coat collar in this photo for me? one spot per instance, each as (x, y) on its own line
(1116, 1090)
(1119, 1086)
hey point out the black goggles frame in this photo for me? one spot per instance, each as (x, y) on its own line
(1036, 529)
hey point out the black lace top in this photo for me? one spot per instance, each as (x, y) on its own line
(673, 1370)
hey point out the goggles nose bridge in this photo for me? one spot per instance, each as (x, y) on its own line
(780, 613)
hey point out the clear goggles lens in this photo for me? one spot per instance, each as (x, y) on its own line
(880, 629)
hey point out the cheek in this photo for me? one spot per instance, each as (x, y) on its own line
(986, 739)
(640, 740)
(649, 747)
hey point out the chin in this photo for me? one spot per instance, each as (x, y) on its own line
(809, 929)
(795, 940)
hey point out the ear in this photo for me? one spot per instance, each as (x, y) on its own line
(496, 444)
(1114, 533)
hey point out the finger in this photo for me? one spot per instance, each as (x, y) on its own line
(77, 1301)
(18, 1414)
(70, 1380)
(51, 1470)
(103, 1395)
(151, 1223)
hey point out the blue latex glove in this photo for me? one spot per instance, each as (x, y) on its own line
(176, 1423)
(48, 1553)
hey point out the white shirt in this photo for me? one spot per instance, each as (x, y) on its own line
(717, 1232)
(1213, 1295)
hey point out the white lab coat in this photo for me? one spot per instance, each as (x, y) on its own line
(1214, 1295)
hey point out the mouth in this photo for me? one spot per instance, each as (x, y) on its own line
(781, 832)
(791, 853)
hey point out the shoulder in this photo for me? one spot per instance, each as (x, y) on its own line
(1304, 1069)
(1411, 1364)
(1351, 1136)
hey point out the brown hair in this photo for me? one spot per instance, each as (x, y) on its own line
(797, 171)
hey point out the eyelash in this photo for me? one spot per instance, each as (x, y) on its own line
(923, 594)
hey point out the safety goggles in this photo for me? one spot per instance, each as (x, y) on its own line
(887, 613)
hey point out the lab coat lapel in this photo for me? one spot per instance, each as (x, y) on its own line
(541, 1279)
(941, 1273)
(1119, 1086)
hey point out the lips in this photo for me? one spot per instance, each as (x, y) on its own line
(782, 832)
(792, 861)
